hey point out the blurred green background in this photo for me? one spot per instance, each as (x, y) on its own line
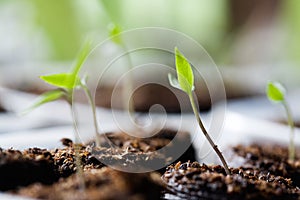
(233, 32)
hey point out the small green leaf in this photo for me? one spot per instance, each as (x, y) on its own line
(184, 72)
(114, 33)
(64, 80)
(275, 91)
(69, 80)
(45, 98)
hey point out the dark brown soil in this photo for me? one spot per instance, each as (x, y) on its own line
(199, 181)
(22, 168)
(47, 166)
(126, 152)
(150, 151)
(265, 173)
(270, 158)
(39, 165)
(101, 184)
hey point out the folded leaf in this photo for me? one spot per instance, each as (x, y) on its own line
(184, 72)
(64, 80)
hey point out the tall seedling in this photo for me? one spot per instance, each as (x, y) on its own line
(276, 93)
(66, 83)
(115, 34)
(185, 82)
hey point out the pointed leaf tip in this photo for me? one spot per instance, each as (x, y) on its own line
(184, 72)
(63, 80)
(45, 98)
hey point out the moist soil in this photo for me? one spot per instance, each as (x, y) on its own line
(145, 152)
(21, 168)
(50, 174)
(271, 159)
(104, 183)
(199, 181)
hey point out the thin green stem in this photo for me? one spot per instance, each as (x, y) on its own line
(92, 103)
(211, 142)
(292, 127)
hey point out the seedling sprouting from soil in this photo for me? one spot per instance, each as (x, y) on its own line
(276, 93)
(185, 82)
(66, 83)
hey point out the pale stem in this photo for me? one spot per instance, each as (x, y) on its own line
(92, 103)
(292, 127)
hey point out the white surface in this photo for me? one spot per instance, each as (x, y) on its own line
(4, 196)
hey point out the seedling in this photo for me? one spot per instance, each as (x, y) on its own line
(66, 83)
(185, 82)
(114, 33)
(276, 93)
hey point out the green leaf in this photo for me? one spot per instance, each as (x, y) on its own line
(45, 98)
(64, 80)
(114, 33)
(82, 57)
(69, 80)
(184, 72)
(275, 91)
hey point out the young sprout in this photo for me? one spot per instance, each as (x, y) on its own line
(66, 83)
(276, 93)
(114, 33)
(185, 82)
